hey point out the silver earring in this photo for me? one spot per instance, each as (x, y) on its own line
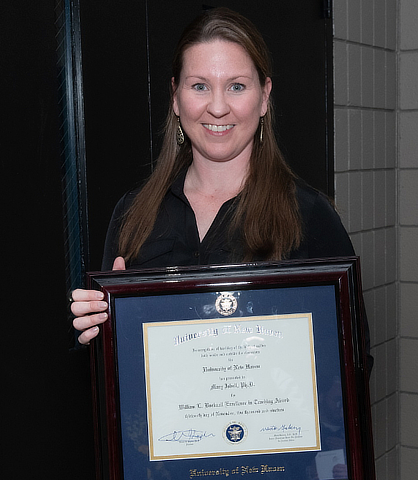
(179, 134)
(261, 129)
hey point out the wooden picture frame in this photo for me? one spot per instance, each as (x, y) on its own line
(270, 353)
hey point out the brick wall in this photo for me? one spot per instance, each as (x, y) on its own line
(365, 55)
(408, 236)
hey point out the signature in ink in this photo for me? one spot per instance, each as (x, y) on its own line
(188, 436)
(283, 428)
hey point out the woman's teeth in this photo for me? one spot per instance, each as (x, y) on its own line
(217, 128)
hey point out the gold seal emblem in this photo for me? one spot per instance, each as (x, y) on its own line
(226, 304)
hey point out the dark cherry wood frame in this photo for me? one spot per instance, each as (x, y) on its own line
(343, 273)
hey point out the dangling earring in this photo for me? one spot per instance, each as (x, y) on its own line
(179, 134)
(261, 129)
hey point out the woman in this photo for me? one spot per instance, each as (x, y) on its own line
(221, 191)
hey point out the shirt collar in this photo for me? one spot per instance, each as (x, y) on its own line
(177, 187)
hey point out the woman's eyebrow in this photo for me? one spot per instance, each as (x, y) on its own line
(235, 77)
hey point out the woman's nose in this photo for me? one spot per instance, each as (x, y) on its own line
(218, 105)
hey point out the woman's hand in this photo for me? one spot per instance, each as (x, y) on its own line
(89, 309)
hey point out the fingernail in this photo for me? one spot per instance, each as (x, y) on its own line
(100, 295)
(102, 305)
(95, 329)
(103, 316)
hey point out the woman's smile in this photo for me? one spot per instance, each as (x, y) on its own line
(218, 128)
(219, 101)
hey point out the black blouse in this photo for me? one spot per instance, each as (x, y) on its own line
(175, 238)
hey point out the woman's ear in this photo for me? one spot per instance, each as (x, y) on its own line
(266, 95)
(174, 90)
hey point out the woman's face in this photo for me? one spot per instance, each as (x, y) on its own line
(219, 100)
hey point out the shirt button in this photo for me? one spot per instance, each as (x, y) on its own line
(196, 254)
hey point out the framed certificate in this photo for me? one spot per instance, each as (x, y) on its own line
(254, 371)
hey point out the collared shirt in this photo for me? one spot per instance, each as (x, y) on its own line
(175, 240)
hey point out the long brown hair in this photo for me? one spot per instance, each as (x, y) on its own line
(266, 209)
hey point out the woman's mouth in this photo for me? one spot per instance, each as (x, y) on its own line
(217, 128)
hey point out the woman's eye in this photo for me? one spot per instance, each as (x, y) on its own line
(200, 87)
(237, 87)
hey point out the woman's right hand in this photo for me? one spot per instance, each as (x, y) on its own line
(89, 309)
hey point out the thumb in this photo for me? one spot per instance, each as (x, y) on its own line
(119, 264)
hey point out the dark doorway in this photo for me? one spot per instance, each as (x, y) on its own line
(46, 415)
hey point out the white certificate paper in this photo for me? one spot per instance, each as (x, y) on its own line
(233, 386)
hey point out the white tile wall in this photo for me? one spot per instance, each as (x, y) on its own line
(408, 146)
(367, 64)
(379, 13)
(368, 139)
(340, 20)
(341, 73)
(409, 356)
(408, 80)
(408, 255)
(409, 310)
(391, 200)
(391, 23)
(366, 176)
(409, 420)
(368, 199)
(409, 462)
(408, 21)
(379, 139)
(354, 20)
(354, 133)
(354, 74)
(391, 92)
(367, 23)
(380, 76)
(376, 181)
(408, 197)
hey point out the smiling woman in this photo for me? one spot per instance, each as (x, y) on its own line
(219, 101)
(221, 81)
(221, 191)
